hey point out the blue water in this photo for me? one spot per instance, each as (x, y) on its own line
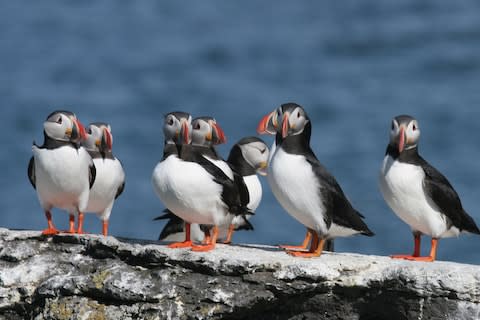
(353, 65)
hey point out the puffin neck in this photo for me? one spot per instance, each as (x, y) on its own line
(50, 143)
(238, 163)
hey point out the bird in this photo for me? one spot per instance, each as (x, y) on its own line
(247, 157)
(61, 170)
(418, 193)
(110, 176)
(177, 132)
(303, 186)
(203, 193)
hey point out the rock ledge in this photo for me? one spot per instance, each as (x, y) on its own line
(92, 277)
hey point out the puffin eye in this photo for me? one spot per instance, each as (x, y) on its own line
(298, 114)
(414, 127)
(197, 126)
(59, 120)
(263, 150)
(89, 131)
(393, 125)
(170, 121)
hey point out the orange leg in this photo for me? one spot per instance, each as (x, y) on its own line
(316, 248)
(210, 245)
(429, 258)
(183, 244)
(416, 249)
(305, 243)
(231, 229)
(105, 228)
(71, 223)
(80, 223)
(51, 230)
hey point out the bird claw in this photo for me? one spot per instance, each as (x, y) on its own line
(183, 244)
(50, 231)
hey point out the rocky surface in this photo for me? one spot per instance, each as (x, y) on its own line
(92, 277)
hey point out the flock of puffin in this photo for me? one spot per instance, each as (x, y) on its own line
(208, 198)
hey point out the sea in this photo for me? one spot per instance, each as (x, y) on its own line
(353, 65)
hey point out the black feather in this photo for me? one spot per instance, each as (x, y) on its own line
(31, 172)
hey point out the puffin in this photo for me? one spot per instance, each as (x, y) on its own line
(418, 193)
(110, 177)
(203, 193)
(303, 186)
(247, 157)
(177, 132)
(61, 170)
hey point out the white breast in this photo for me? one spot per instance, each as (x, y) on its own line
(296, 187)
(402, 187)
(62, 177)
(190, 192)
(110, 176)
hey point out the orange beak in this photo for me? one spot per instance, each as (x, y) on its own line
(263, 125)
(185, 132)
(218, 134)
(285, 125)
(107, 138)
(80, 129)
(401, 139)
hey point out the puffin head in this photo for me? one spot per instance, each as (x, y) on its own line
(64, 126)
(288, 119)
(207, 132)
(99, 137)
(404, 133)
(177, 127)
(255, 152)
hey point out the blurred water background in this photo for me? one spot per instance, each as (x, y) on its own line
(353, 65)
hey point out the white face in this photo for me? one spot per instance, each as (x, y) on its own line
(411, 131)
(201, 133)
(256, 155)
(172, 128)
(297, 120)
(99, 138)
(59, 127)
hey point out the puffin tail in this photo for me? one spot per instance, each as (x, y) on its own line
(363, 226)
(469, 224)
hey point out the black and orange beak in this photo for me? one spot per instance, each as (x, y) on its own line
(401, 139)
(106, 143)
(268, 124)
(218, 136)
(185, 132)
(285, 125)
(77, 133)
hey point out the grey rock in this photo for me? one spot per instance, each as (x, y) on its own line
(95, 277)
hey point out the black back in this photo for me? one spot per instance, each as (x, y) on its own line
(230, 193)
(438, 189)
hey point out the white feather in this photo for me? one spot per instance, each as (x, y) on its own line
(62, 178)
(295, 186)
(190, 192)
(402, 187)
(109, 177)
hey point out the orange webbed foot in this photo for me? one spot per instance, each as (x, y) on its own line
(183, 244)
(50, 231)
(303, 254)
(424, 259)
(402, 256)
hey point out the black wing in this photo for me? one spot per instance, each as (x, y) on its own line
(441, 192)
(31, 172)
(92, 173)
(174, 225)
(230, 193)
(120, 189)
(245, 226)
(166, 215)
(338, 208)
